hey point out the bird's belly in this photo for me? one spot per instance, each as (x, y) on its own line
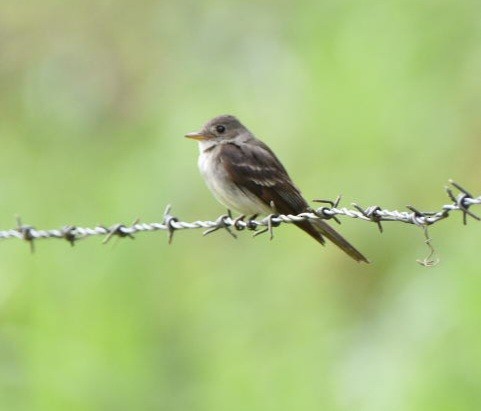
(228, 193)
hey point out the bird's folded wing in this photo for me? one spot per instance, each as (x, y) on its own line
(254, 168)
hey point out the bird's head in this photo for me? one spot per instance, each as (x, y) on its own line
(221, 128)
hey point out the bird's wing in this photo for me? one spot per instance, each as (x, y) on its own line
(255, 168)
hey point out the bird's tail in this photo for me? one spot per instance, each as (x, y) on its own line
(319, 228)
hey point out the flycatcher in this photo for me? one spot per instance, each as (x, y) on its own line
(245, 175)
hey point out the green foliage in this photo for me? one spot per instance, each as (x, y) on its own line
(378, 100)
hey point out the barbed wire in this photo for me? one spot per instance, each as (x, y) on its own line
(461, 202)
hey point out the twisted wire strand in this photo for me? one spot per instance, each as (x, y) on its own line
(460, 202)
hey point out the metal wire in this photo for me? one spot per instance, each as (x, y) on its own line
(460, 202)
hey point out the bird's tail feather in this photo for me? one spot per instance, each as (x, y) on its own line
(319, 228)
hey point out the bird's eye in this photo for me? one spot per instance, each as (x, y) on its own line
(220, 128)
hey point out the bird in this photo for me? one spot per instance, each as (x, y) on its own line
(245, 175)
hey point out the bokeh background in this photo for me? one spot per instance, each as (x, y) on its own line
(377, 100)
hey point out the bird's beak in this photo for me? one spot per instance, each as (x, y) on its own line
(196, 135)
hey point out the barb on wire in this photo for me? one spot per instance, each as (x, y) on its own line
(223, 221)
(460, 202)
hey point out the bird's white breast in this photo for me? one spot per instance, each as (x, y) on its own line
(223, 189)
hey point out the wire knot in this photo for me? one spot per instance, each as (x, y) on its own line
(169, 221)
(26, 231)
(325, 212)
(119, 230)
(373, 213)
(69, 233)
(252, 224)
(270, 222)
(418, 217)
(462, 201)
(223, 221)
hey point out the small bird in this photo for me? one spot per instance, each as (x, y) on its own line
(245, 175)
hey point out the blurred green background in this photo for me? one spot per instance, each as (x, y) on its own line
(377, 100)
